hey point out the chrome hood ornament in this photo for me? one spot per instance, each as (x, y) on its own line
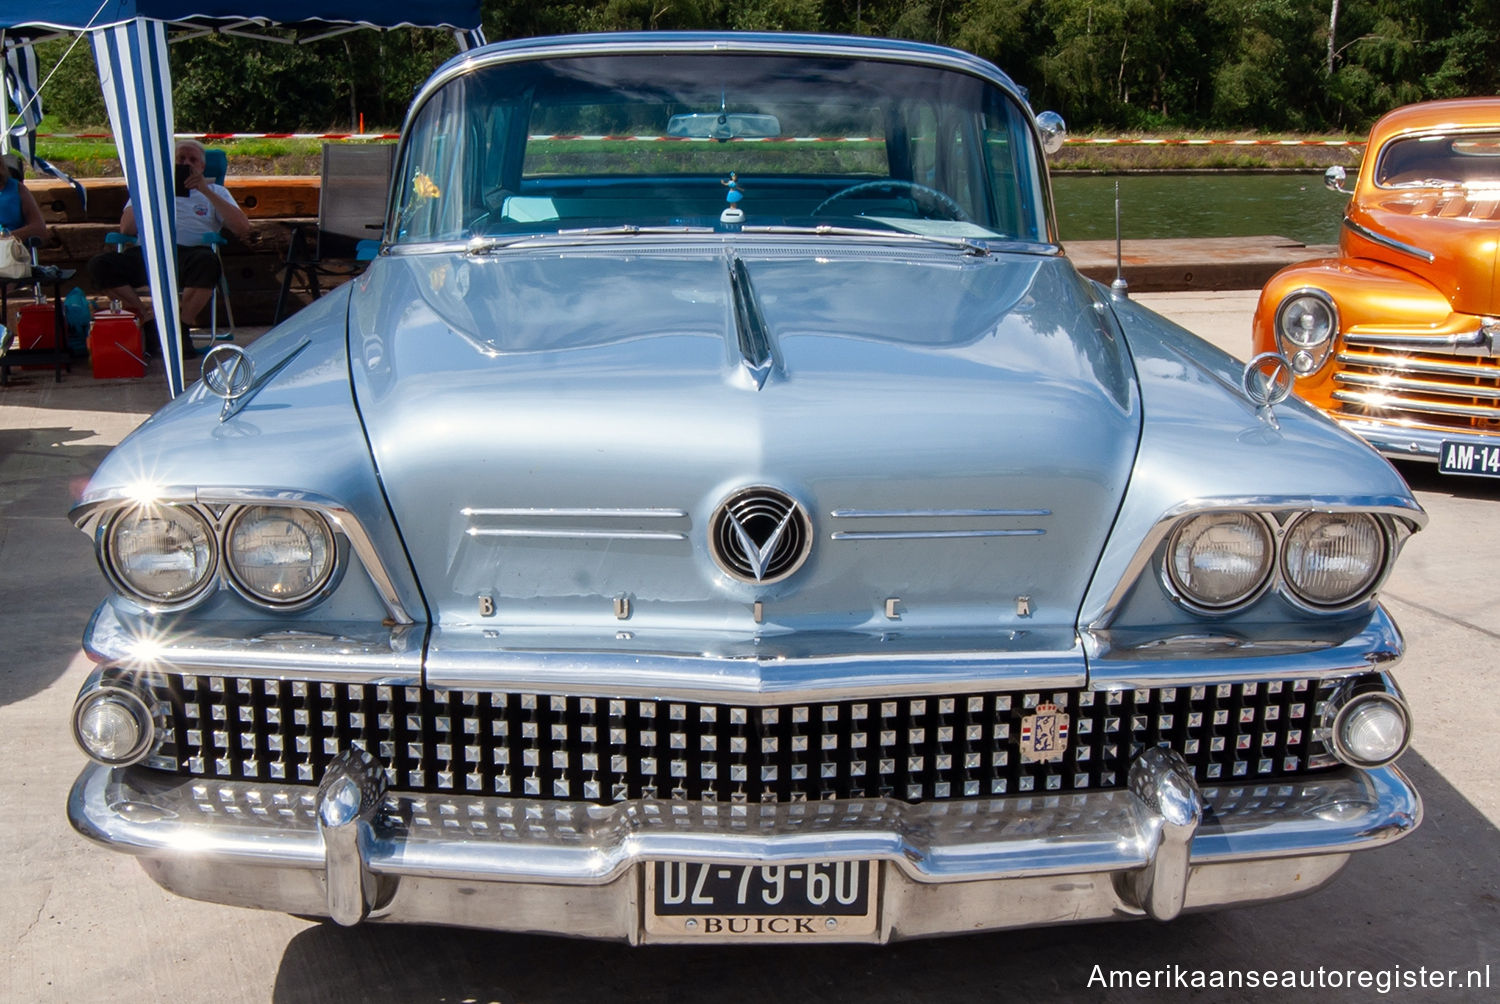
(760, 535)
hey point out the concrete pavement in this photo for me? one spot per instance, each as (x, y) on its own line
(79, 922)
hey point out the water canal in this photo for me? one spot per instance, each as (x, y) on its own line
(1154, 206)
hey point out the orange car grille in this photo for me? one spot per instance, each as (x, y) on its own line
(1418, 388)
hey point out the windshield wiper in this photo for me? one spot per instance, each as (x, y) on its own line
(481, 245)
(965, 244)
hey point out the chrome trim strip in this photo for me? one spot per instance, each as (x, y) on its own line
(1386, 402)
(1390, 242)
(928, 534)
(1377, 647)
(90, 510)
(580, 513)
(765, 675)
(475, 531)
(1407, 364)
(1481, 340)
(1382, 382)
(340, 653)
(933, 513)
(171, 820)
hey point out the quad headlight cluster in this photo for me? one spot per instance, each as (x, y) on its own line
(168, 555)
(1220, 561)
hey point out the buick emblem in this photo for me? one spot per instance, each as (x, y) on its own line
(760, 535)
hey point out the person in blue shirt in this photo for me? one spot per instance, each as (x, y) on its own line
(19, 213)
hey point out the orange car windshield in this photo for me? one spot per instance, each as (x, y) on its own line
(1443, 160)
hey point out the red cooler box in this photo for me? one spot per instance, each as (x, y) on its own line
(115, 348)
(35, 325)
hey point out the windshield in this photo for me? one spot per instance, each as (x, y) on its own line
(1430, 161)
(719, 141)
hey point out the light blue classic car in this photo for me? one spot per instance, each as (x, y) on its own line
(722, 512)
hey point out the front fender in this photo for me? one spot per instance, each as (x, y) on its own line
(1370, 296)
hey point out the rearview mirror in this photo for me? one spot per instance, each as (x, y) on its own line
(723, 126)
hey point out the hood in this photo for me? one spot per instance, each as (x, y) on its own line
(1459, 227)
(557, 431)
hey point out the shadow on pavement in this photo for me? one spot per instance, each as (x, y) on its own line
(1389, 908)
(48, 577)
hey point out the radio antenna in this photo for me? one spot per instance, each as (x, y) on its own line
(1119, 287)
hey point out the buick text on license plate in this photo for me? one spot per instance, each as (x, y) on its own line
(809, 899)
(1468, 458)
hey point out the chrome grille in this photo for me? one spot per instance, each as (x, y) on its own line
(1426, 388)
(610, 750)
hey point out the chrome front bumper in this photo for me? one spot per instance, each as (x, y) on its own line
(352, 852)
(1412, 442)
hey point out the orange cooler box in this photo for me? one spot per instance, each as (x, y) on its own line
(115, 348)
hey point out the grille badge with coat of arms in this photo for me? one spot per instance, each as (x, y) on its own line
(1044, 734)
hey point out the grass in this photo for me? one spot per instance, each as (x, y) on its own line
(97, 158)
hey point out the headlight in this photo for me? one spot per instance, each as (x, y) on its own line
(1220, 560)
(1306, 323)
(280, 555)
(1371, 730)
(1333, 559)
(113, 726)
(162, 554)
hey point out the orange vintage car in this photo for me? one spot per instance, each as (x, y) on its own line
(1398, 338)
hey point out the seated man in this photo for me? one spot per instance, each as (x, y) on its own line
(206, 209)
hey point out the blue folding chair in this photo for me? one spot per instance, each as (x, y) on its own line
(215, 169)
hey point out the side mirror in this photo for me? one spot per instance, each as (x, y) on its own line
(1334, 179)
(1054, 130)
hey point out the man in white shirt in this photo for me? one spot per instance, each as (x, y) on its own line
(206, 209)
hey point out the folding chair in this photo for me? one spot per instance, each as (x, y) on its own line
(351, 211)
(215, 169)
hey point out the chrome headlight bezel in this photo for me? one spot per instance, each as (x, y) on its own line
(323, 583)
(1295, 592)
(110, 562)
(216, 522)
(1307, 355)
(1183, 592)
(1281, 522)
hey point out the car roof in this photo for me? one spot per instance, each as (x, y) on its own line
(1433, 116)
(727, 42)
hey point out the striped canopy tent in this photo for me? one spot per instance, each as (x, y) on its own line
(129, 39)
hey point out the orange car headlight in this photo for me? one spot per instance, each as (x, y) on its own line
(1306, 322)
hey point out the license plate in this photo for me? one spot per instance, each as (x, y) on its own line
(788, 902)
(1467, 458)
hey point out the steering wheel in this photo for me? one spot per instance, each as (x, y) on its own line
(930, 202)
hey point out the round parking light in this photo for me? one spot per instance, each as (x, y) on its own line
(113, 726)
(1371, 730)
